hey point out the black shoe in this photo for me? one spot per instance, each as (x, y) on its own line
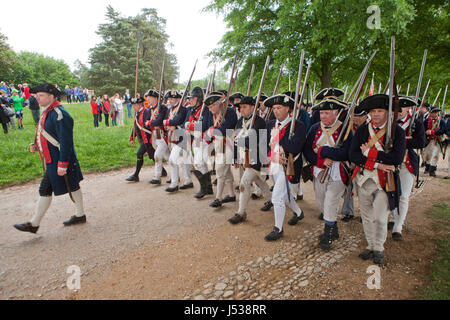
(237, 219)
(433, 171)
(26, 227)
(347, 218)
(366, 254)
(163, 172)
(170, 190)
(300, 198)
(213, 172)
(228, 199)
(187, 186)
(154, 181)
(271, 188)
(391, 225)
(330, 234)
(274, 235)
(238, 189)
(423, 164)
(378, 257)
(321, 216)
(397, 236)
(75, 220)
(215, 182)
(169, 181)
(255, 196)
(267, 206)
(427, 168)
(216, 204)
(294, 220)
(132, 178)
(208, 184)
(202, 192)
(447, 178)
(360, 219)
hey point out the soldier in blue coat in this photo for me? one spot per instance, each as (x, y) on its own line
(220, 121)
(143, 133)
(434, 130)
(373, 163)
(178, 156)
(330, 160)
(62, 173)
(280, 146)
(410, 166)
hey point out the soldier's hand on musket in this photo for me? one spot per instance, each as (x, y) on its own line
(328, 162)
(282, 159)
(408, 137)
(428, 132)
(132, 141)
(33, 148)
(62, 172)
(365, 147)
(386, 167)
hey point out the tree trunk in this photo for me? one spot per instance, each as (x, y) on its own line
(325, 77)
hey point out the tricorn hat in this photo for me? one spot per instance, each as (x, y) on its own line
(330, 103)
(280, 99)
(46, 87)
(213, 97)
(137, 100)
(197, 92)
(152, 93)
(406, 102)
(246, 100)
(329, 92)
(173, 94)
(377, 101)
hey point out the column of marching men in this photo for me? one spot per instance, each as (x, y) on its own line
(203, 137)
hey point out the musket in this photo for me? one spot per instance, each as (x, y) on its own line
(258, 99)
(275, 90)
(379, 88)
(345, 93)
(230, 87)
(208, 90)
(277, 84)
(347, 124)
(290, 170)
(407, 90)
(305, 83)
(399, 88)
(444, 152)
(313, 97)
(435, 100)
(161, 96)
(249, 90)
(391, 122)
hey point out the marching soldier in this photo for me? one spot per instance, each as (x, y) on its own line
(196, 127)
(435, 129)
(62, 173)
(245, 136)
(159, 135)
(325, 93)
(178, 157)
(280, 147)
(329, 160)
(370, 175)
(263, 111)
(143, 133)
(410, 166)
(221, 119)
(360, 117)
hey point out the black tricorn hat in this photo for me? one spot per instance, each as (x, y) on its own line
(263, 97)
(329, 92)
(281, 99)
(197, 92)
(377, 101)
(173, 94)
(406, 102)
(246, 100)
(359, 112)
(213, 97)
(330, 103)
(237, 95)
(427, 105)
(224, 92)
(152, 93)
(137, 100)
(435, 109)
(46, 87)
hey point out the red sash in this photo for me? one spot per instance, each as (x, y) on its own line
(45, 154)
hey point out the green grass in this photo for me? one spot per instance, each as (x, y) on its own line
(97, 149)
(439, 286)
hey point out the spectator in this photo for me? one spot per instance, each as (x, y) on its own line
(8, 102)
(106, 109)
(4, 112)
(18, 107)
(76, 93)
(34, 107)
(68, 93)
(127, 101)
(113, 112)
(119, 107)
(95, 111)
(5, 87)
(73, 95)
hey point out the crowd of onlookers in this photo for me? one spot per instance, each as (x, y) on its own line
(111, 108)
(76, 94)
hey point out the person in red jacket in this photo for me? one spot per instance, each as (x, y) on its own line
(106, 109)
(95, 111)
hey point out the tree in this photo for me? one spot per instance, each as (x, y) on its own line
(81, 73)
(113, 61)
(34, 68)
(8, 60)
(334, 35)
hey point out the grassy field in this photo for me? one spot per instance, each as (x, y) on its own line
(97, 149)
(439, 286)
